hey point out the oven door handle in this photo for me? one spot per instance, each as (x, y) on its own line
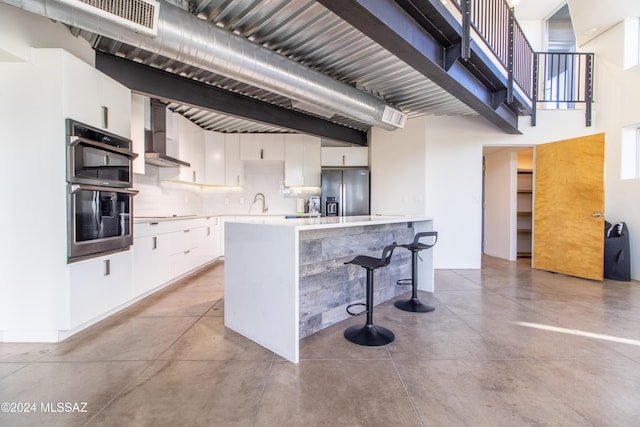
(74, 188)
(75, 140)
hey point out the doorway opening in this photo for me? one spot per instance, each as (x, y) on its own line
(507, 202)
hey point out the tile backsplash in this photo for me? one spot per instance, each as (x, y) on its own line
(165, 198)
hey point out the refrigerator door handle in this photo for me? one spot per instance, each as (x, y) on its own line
(343, 205)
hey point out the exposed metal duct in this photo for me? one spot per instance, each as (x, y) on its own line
(186, 38)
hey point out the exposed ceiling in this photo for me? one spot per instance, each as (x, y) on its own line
(307, 32)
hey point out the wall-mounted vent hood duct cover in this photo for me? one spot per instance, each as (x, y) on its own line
(156, 139)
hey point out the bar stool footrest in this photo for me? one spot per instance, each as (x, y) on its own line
(404, 282)
(358, 304)
(369, 335)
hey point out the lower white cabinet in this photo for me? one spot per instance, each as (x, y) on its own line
(150, 262)
(183, 248)
(166, 250)
(209, 243)
(98, 286)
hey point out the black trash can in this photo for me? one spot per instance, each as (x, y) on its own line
(617, 260)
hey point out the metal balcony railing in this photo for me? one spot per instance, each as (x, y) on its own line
(564, 79)
(558, 80)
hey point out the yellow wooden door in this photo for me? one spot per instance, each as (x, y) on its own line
(568, 221)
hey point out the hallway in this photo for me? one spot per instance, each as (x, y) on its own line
(506, 346)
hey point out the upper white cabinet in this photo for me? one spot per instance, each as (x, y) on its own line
(261, 146)
(302, 161)
(93, 98)
(137, 131)
(214, 156)
(345, 156)
(185, 141)
(191, 150)
(233, 165)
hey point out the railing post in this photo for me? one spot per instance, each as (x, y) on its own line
(589, 88)
(465, 45)
(534, 90)
(510, 58)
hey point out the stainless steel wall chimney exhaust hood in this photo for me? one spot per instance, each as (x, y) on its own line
(156, 139)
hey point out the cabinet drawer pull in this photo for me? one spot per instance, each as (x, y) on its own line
(154, 244)
(186, 231)
(194, 177)
(154, 223)
(208, 231)
(187, 251)
(107, 267)
(261, 153)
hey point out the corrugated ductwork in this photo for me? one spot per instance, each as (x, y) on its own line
(183, 37)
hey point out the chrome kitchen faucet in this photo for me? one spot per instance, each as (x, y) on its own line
(265, 208)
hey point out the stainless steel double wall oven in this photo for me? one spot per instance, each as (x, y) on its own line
(100, 197)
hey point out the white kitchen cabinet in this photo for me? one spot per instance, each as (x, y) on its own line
(209, 237)
(150, 262)
(214, 158)
(137, 131)
(183, 248)
(233, 165)
(261, 146)
(185, 141)
(95, 99)
(166, 250)
(191, 150)
(99, 286)
(302, 161)
(345, 156)
(50, 301)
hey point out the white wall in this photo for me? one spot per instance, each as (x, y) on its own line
(617, 92)
(453, 172)
(397, 169)
(18, 35)
(500, 204)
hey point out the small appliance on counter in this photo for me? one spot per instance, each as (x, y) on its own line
(314, 204)
(331, 206)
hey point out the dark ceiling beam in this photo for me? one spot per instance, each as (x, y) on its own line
(171, 87)
(385, 22)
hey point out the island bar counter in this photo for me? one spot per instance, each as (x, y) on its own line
(285, 279)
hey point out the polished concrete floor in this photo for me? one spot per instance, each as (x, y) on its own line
(506, 346)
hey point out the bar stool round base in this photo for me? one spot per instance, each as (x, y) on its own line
(414, 305)
(369, 335)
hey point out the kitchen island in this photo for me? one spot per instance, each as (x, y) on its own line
(285, 279)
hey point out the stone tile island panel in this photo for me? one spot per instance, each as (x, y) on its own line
(327, 285)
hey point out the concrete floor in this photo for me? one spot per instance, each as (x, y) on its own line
(506, 346)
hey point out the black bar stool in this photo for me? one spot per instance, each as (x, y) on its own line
(370, 334)
(414, 304)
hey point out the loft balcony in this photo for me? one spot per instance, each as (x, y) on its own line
(477, 51)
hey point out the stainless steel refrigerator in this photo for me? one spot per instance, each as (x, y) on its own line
(345, 192)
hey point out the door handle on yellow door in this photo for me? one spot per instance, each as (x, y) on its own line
(596, 214)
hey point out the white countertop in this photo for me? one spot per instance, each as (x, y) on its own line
(160, 218)
(330, 222)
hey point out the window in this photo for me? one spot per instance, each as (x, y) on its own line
(630, 153)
